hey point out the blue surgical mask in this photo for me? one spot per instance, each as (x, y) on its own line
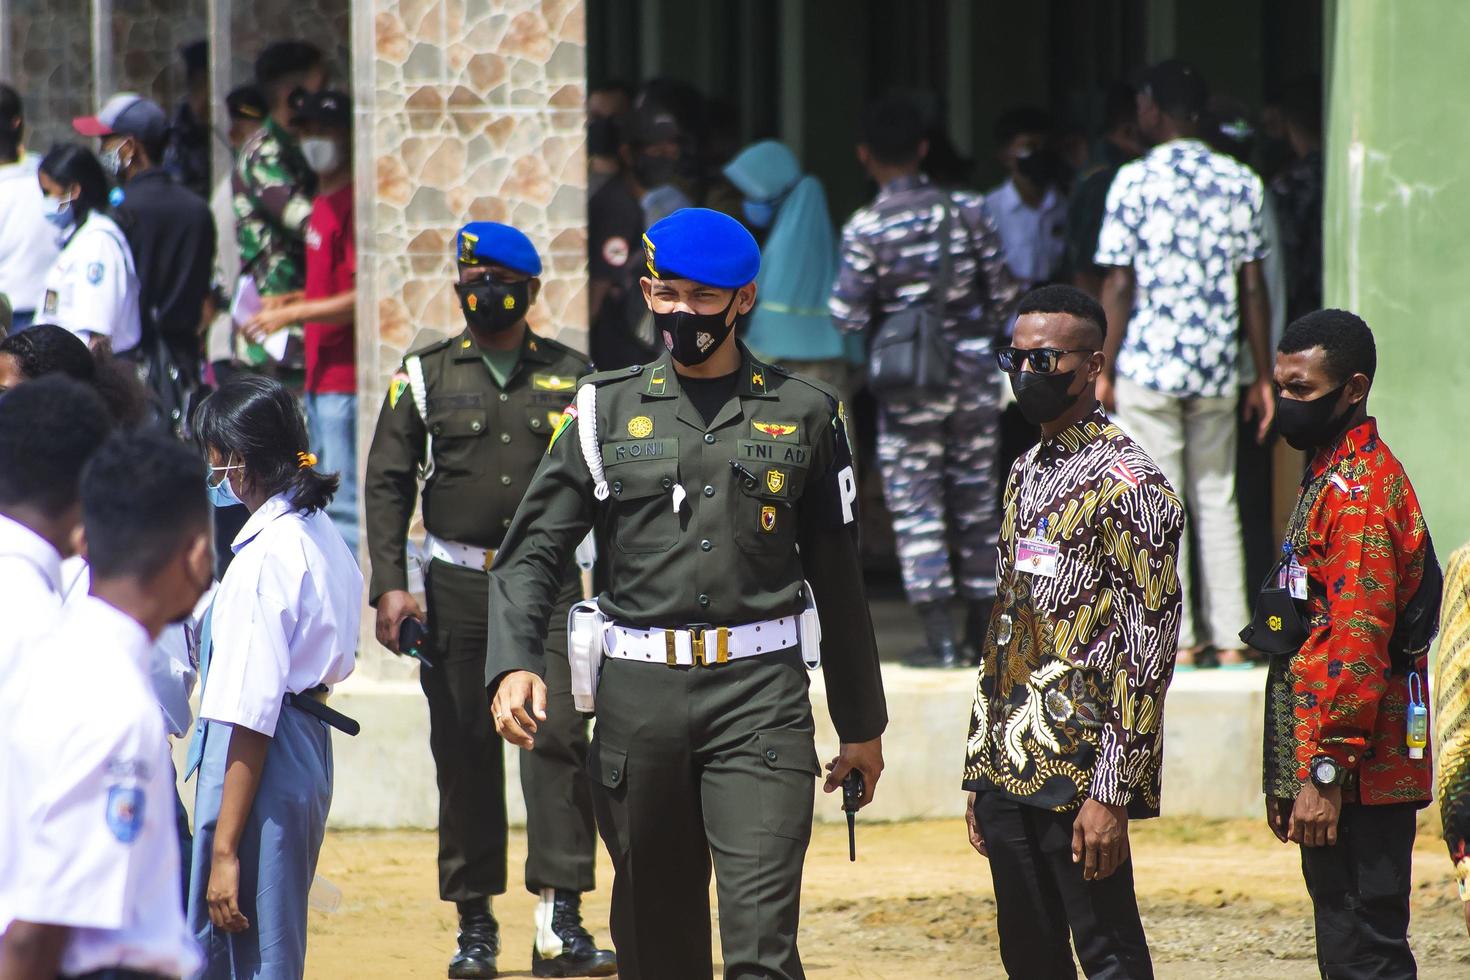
(57, 211)
(221, 494)
(759, 214)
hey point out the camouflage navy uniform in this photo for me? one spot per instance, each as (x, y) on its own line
(273, 189)
(938, 454)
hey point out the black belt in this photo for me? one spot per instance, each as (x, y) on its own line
(318, 710)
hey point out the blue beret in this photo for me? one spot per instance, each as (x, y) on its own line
(703, 245)
(491, 243)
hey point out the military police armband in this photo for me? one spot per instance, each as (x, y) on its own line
(832, 502)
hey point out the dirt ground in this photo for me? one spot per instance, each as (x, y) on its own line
(1219, 899)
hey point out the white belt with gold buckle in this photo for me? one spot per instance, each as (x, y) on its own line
(463, 555)
(707, 646)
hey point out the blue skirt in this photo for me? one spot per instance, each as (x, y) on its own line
(278, 849)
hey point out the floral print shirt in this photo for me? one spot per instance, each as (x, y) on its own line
(1359, 532)
(1070, 698)
(1185, 219)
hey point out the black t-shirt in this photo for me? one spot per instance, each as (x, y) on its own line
(171, 232)
(709, 394)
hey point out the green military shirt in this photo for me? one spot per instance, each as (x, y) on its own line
(488, 441)
(712, 524)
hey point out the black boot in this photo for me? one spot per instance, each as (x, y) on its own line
(563, 948)
(939, 649)
(479, 942)
(977, 622)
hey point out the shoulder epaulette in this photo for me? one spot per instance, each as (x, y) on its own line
(427, 342)
(833, 399)
(606, 377)
(562, 348)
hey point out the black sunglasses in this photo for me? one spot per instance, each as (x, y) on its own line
(1043, 360)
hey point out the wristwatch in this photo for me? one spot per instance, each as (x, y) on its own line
(1325, 772)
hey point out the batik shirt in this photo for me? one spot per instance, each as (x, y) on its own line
(1070, 698)
(1452, 694)
(889, 259)
(1359, 532)
(1184, 219)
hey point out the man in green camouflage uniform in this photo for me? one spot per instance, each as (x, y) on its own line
(273, 190)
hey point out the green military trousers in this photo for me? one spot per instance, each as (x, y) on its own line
(469, 757)
(694, 762)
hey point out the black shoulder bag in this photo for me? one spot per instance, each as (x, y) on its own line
(908, 356)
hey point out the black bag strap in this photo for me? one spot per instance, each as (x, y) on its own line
(942, 281)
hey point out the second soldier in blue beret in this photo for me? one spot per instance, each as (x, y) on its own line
(722, 492)
(471, 416)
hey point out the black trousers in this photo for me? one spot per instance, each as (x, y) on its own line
(701, 765)
(1040, 897)
(469, 758)
(1360, 893)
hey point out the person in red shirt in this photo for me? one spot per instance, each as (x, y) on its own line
(325, 306)
(1341, 778)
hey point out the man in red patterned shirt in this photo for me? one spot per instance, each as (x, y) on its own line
(1339, 777)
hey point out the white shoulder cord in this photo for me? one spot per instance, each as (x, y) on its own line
(587, 437)
(414, 368)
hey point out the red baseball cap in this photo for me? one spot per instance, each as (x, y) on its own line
(126, 114)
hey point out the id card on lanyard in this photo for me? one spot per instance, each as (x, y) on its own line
(1037, 556)
(1293, 578)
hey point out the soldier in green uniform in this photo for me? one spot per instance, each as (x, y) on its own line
(480, 409)
(723, 493)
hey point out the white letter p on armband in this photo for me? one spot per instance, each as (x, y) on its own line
(847, 490)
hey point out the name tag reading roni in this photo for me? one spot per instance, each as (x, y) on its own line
(1037, 557)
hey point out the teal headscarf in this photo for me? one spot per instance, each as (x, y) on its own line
(798, 260)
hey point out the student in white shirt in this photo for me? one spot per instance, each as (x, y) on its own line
(48, 430)
(281, 631)
(96, 886)
(29, 243)
(92, 290)
(49, 349)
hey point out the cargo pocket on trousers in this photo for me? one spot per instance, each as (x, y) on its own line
(609, 765)
(788, 786)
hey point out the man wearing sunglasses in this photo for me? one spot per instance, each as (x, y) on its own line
(1064, 737)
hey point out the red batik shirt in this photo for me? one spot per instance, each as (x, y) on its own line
(1360, 534)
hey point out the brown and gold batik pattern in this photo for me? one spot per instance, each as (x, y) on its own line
(1070, 698)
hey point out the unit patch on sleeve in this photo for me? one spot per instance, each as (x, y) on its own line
(567, 418)
(396, 388)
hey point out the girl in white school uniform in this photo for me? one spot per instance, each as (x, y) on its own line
(92, 289)
(281, 632)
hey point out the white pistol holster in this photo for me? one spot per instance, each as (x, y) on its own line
(810, 630)
(585, 626)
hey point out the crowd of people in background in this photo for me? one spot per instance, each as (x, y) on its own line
(1180, 239)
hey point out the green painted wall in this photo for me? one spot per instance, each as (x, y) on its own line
(1397, 234)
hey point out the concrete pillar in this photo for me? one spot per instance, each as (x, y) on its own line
(1398, 198)
(465, 110)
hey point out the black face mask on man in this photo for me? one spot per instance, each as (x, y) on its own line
(490, 306)
(651, 170)
(1307, 425)
(692, 337)
(1044, 398)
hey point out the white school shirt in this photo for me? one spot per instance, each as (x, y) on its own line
(29, 243)
(1033, 239)
(93, 286)
(101, 841)
(285, 617)
(172, 672)
(30, 600)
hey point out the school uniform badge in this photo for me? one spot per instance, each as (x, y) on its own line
(125, 812)
(94, 273)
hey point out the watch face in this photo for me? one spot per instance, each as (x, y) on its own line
(1325, 771)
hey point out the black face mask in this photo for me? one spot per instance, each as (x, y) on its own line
(692, 337)
(1307, 425)
(1043, 398)
(490, 306)
(654, 171)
